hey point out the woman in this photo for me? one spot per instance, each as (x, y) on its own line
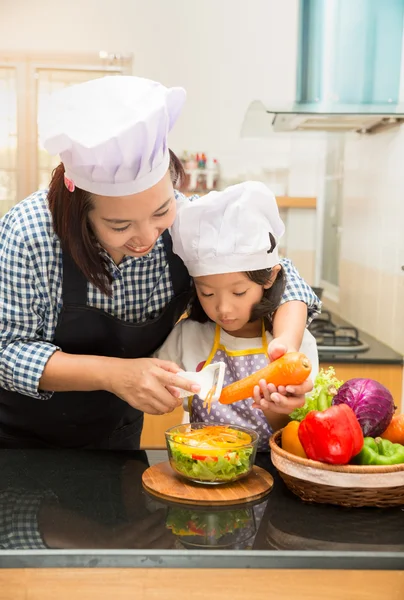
(89, 285)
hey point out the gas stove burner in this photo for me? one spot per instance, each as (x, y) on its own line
(323, 320)
(336, 339)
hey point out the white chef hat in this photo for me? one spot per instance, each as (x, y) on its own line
(111, 132)
(228, 232)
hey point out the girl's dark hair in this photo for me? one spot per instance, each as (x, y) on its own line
(71, 224)
(262, 310)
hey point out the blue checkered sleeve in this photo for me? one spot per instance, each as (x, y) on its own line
(19, 528)
(23, 355)
(297, 289)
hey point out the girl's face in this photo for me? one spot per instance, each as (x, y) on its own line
(228, 299)
(131, 225)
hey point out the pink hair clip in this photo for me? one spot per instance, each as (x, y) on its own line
(69, 184)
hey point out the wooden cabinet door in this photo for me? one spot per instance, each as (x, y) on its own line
(390, 376)
(155, 426)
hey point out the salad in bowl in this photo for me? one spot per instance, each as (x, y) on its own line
(207, 528)
(211, 453)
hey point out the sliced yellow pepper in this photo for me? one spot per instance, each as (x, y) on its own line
(205, 451)
(212, 438)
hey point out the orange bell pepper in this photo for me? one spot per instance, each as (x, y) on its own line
(395, 431)
(290, 439)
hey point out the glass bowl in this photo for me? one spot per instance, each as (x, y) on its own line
(212, 528)
(211, 454)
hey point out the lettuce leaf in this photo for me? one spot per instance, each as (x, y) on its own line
(191, 522)
(325, 386)
(225, 468)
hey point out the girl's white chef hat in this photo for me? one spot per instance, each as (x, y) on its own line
(111, 132)
(228, 232)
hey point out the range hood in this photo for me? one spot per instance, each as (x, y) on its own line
(263, 119)
(349, 57)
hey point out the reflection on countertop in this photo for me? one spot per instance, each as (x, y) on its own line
(83, 508)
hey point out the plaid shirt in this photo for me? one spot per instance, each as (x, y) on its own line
(31, 292)
(19, 529)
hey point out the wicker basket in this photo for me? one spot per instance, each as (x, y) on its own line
(349, 485)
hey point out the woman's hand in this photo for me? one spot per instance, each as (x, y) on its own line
(147, 384)
(149, 532)
(281, 400)
(277, 348)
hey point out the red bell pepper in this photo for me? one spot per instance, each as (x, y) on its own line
(194, 528)
(332, 436)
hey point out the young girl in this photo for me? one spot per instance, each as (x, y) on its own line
(229, 243)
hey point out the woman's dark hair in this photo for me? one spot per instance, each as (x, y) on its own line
(262, 310)
(71, 224)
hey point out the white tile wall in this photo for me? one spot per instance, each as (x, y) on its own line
(301, 229)
(307, 153)
(372, 243)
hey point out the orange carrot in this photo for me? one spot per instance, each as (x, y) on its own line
(291, 369)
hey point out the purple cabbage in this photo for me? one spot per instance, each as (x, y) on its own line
(371, 402)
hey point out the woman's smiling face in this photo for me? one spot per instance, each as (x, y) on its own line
(131, 225)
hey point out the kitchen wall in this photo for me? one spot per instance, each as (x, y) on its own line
(372, 242)
(306, 165)
(225, 53)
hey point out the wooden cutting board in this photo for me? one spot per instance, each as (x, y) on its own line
(161, 481)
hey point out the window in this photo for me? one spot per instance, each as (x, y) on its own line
(8, 138)
(25, 85)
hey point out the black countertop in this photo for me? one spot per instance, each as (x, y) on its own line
(88, 509)
(378, 353)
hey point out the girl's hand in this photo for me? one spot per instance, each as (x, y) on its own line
(147, 383)
(282, 400)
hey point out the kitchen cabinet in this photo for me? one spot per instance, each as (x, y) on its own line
(227, 584)
(390, 376)
(155, 426)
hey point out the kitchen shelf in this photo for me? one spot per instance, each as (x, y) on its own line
(296, 202)
(282, 201)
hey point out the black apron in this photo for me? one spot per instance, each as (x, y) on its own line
(91, 419)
